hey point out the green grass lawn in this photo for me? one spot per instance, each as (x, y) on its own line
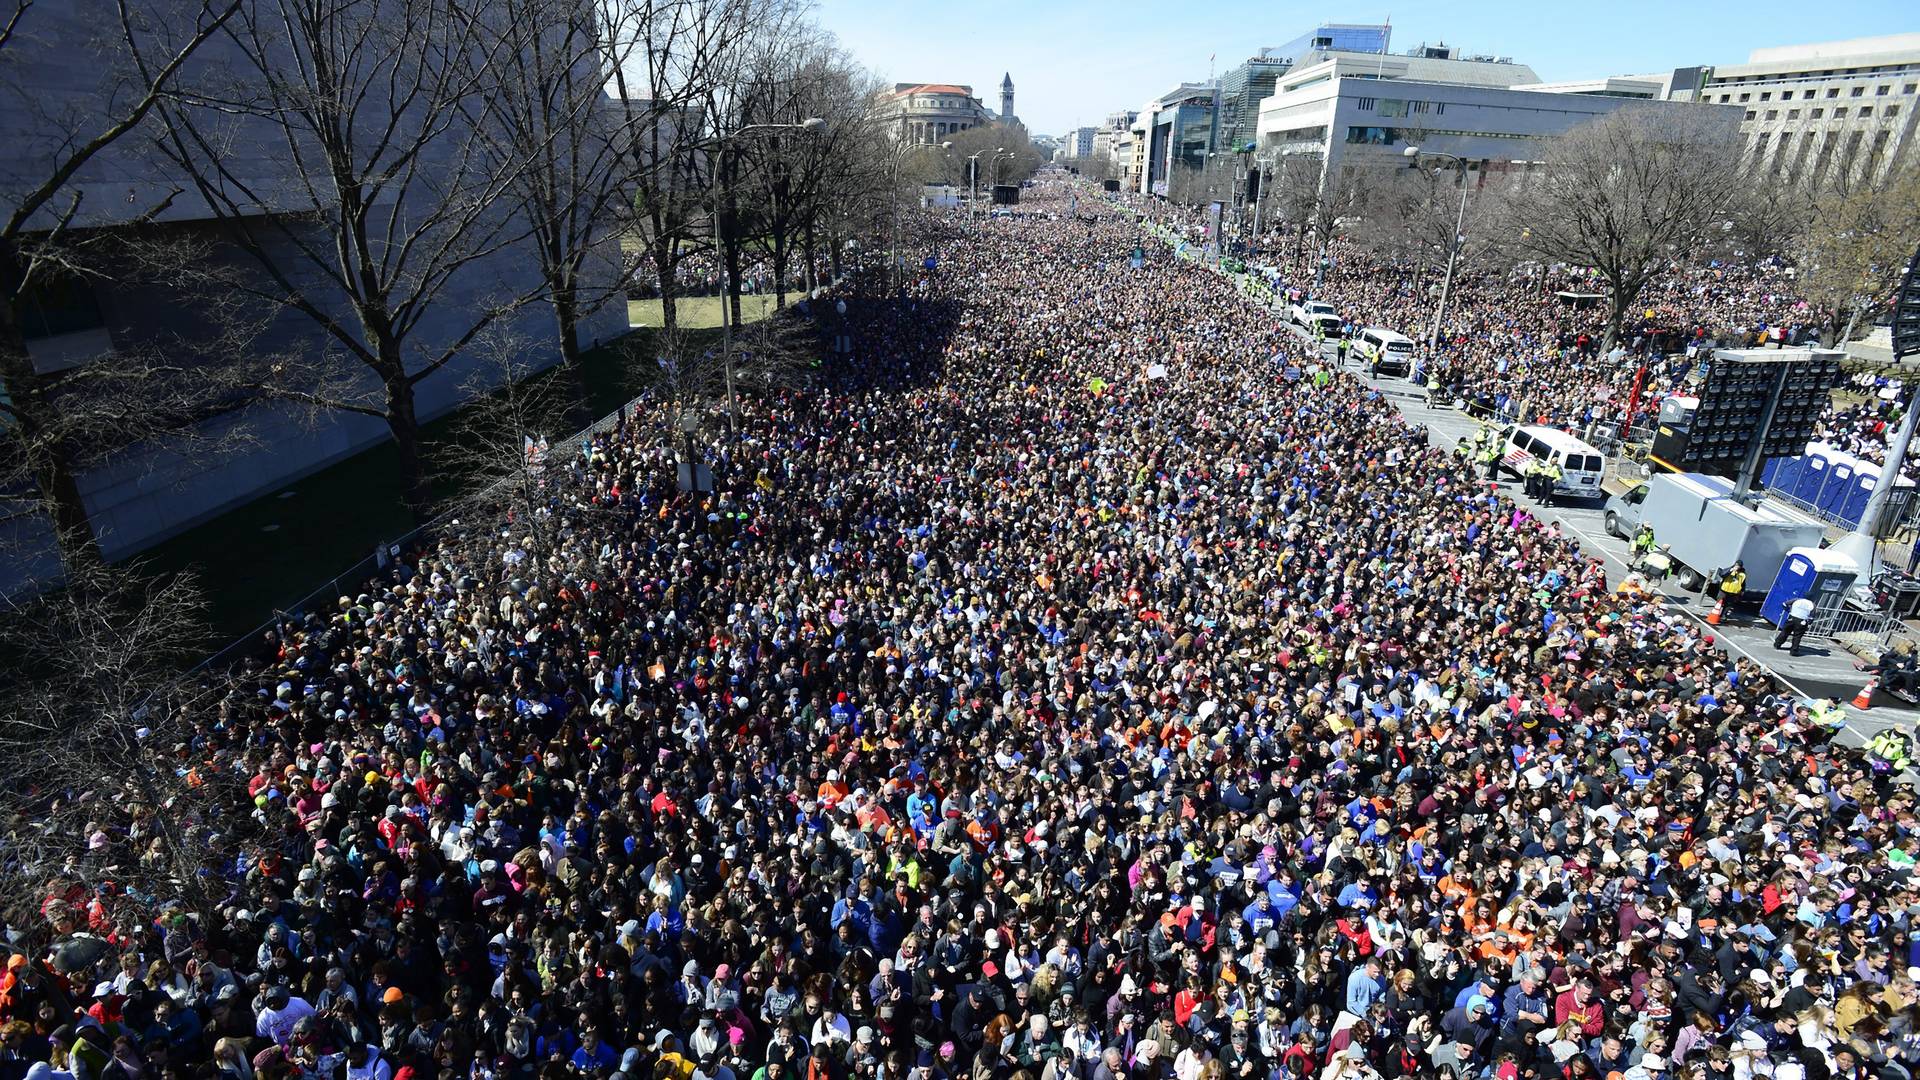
(269, 553)
(698, 312)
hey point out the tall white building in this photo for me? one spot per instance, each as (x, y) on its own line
(1823, 111)
(1359, 109)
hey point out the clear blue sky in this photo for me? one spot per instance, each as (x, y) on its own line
(1075, 61)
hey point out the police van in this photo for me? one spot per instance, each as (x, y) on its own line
(1385, 352)
(1582, 468)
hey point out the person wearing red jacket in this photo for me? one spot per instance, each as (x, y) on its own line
(1581, 1005)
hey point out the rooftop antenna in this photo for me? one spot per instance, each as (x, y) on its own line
(1380, 69)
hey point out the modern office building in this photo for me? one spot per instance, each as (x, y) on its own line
(1181, 130)
(1335, 37)
(1245, 86)
(1357, 109)
(143, 493)
(1077, 143)
(929, 112)
(1242, 89)
(1819, 112)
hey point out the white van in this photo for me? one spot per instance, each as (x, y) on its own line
(1582, 468)
(1385, 352)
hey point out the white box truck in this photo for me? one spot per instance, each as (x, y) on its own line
(1696, 518)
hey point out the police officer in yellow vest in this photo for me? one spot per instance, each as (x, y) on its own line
(1889, 746)
(1734, 583)
(1532, 475)
(1550, 474)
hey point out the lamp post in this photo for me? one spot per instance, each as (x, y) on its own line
(1414, 154)
(998, 151)
(973, 181)
(1259, 197)
(811, 124)
(900, 154)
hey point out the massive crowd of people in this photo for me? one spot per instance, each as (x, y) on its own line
(1529, 339)
(1077, 682)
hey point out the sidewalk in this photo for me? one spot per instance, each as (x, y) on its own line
(1821, 670)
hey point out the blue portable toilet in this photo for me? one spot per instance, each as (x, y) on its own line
(1816, 573)
(1839, 485)
(1865, 476)
(1780, 474)
(1812, 476)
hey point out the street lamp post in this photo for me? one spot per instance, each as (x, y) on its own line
(900, 154)
(812, 123)
(1259, 197)
(973, 181)
(1453, 249)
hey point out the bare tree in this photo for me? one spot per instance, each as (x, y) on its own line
(1852, 255)
(105, 798)
(1409, 215)
(1768, 217)
(506, 456)
(550, 127)
(383, 199)
(45, 248)
(793, 180)
(1626, 194)
(690, 375)
(669, 61)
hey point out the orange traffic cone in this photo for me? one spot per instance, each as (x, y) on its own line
(1719, 607)
(1864, 699)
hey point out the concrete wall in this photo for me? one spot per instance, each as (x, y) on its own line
(64, 78)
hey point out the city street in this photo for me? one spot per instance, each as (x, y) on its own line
(1821, 670)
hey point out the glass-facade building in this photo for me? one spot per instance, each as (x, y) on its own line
(1343, 37)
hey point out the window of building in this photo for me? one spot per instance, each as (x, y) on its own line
(1840, 112)
(1793, 114)
(1373, 136)
(1744, 97)
(1749, 114)
(1817, 114)
(1773, 114)
(1858, 90)
(59, 304)
(1807, 95)
(1766, 96)
(1892, 110)
(1881, 90)
(1391, 107)
(1364, 104)
(1439, 108)
(1833, 92)
(1724, 98)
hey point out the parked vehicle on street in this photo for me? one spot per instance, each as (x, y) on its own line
(1384, 351)
(1697, 520)
(1310, 313)
(1582, 467)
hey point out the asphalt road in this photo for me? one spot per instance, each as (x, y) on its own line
(1822, 670)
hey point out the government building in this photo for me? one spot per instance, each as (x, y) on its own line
(931, 112)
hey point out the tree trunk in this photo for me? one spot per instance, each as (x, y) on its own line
(1616, 316)
(664, 266)
(566, 315)
(730, 260)
(779, 270)
(807, 253)
(404, 423)
(53, 473)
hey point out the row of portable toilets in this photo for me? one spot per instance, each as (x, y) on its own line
(1832, 481)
